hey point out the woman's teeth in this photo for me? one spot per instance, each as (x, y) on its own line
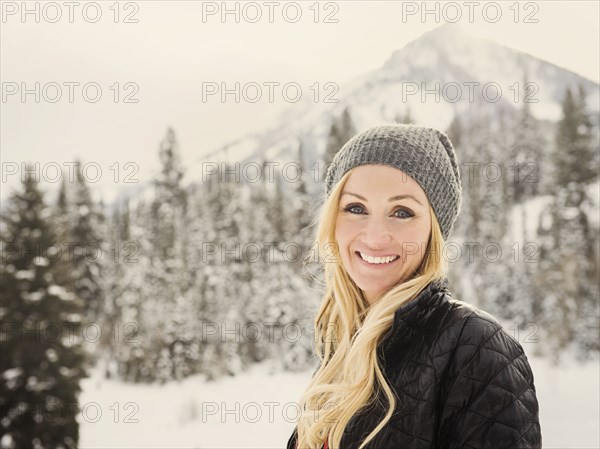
(377, 260)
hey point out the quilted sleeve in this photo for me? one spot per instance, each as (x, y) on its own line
(488, 398)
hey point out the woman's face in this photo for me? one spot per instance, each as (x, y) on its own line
(383, 213)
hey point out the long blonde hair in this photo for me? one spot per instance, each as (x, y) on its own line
(347, 331)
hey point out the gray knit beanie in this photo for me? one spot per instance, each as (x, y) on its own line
(425, 154)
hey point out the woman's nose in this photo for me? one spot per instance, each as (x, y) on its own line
(376, 234)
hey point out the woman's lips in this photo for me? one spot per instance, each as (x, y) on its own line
(376, 265)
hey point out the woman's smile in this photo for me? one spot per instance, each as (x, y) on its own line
(377, 262)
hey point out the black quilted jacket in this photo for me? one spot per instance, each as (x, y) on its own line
(460, 381)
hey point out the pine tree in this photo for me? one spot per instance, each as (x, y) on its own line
(169, 272)
(261, 226)
(557, 268)
(42, 362)
(342, 129)
(227, 276)
(88, 250)
(489, 206)
(170, 201)
(526, 157)
(302, 216)
(117, 256)
(484, 183)
(574, 144)
(135, 353)
(278, 211)
(289, 310)
(61, 218)
(568, 251)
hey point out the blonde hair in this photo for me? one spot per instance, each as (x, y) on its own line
(347, 331)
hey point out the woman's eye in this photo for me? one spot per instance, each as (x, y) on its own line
(353, 207)
(405, 211)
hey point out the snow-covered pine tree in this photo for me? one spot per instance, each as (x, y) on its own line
(575, 154)
(489, 207)
(279, 213)
(169, 272)
(342, 129)
(223, 267)
(303, 215)
(568, 252)
(201, 237)
(258, 232)
(118, 251)
(135, 353)
(525, 169)
(289, 312)
(87, 240)
(61, 214)
(577, 151)
(557, 278)
(42, 360)
(527, 155)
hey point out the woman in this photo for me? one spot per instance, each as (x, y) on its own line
(404, 364)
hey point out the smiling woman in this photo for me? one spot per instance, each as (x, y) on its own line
(403, 363)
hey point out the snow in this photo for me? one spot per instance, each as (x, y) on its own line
(258, 409)
(12, 373)
(25, 274)
(6, 441)
(33, 296)
(251, 410)
(591, 210)
(40, 261)
(57, 290)
(569, 400)
(532, 210)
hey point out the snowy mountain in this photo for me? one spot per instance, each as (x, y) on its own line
(447, 54)
(455, 72)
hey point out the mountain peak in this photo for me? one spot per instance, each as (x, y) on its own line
(446, 30)
(448, 39)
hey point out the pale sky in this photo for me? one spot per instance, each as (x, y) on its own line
(171, 51)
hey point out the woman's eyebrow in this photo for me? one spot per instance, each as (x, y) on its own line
(394, 198)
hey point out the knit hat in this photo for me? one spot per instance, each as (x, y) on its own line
(425, 154)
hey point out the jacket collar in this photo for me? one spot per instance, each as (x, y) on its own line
(411, 312)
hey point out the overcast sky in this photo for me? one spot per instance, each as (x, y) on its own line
(176, 46)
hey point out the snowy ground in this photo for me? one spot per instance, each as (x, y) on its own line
(257, 410)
